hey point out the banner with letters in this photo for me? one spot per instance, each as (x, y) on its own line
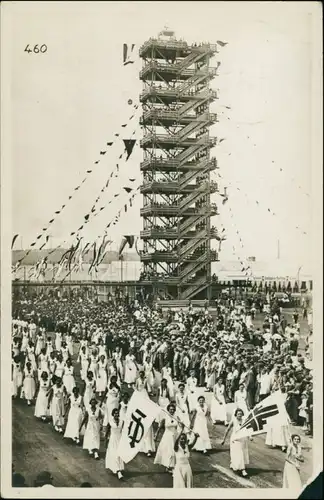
(141, 412)
(269, 412)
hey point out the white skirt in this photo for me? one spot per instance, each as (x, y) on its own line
(278, 436)
(113, 461)
(29, 388)
(165, 453)
(91, 439)
(148, 443)
(200, 427)
(239, 453)
(69, 383)
(41, 406)
(218, 411)
(73, 423)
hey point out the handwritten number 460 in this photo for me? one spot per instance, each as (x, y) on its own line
(36, 49)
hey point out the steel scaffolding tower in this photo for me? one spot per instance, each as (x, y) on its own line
(176, 167)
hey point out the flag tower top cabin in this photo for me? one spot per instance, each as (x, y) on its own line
(176, 166)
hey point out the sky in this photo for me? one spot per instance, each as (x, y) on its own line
(67, 103)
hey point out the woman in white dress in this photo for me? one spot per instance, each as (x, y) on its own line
(40, 342)
(210, 374)
(166, 373)
(49, 346)
(163, 398)
(69, 343)
(91, 420)
(75, 416)
(56, 402)
(130, 369)
(291, 473)
(182, 474)
(149, 374)
(59, 366)
(102, 378)
(58, 341)
(112, 399)
(17, 377)
(278, 435)
(191, 386)
(68, 377)
(165, 454)
(89, 388)
(41, 406)
(113, 429)
(181, 400)
(65, 351)
(113, 371)
(239, 451)
(148, 443)
(199, 426)
(93, 363)
(52, 362)
(25, 339)
(83, 359)
(141, 383)
(30, 354)
(43, 362)
(117, 355)
(123, 406)
(240, 399)
(29, 385)
(218, 403)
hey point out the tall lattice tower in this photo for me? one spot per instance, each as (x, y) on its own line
(176, 167)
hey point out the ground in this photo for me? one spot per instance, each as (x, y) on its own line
(37, 447)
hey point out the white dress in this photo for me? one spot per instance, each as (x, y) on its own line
(40, 343)
(57, 406)
(239, 451)
(118, 357)
(29, 385)
(69, 344)
(165, 452)
(102, 379)
(182, 407)
(68, 379)
(130, 369)
(291, 475)
(83, 358)
(75, 418)
(89, 391)
(24, 343)
(182, 475)
(58, 341)
(240, 402)
(113, 461)
(148, 443)
(17, 378)
(148, 369)
(112, 402)
(59, 368)
(192, 395)
(166, 373)
(91, 439)
(200, 427)
(41, 406)
(93, 365)
(163, 402)
(217, 410)
(43, 363)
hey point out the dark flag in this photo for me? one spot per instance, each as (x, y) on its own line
(14, 240)
(129, 146)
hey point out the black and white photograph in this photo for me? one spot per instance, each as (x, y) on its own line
(161, 206)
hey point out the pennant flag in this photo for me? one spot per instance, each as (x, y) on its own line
(271, 411)
(78, 187)
(141, 412)
(129, 146)
(110, 143)
(129, 102)
(130, 240)
(70, 197)
(124, 125)
(103, 152)
(222, 44)
(88, 172)
(127, 189)
(120, 156)
(221, 140)
(116, 135)
(94, 257)
(96, 162)
(14, 240)
(115, 195)
(87, 217)
(125, 207)
(33, 244)
(132, 180)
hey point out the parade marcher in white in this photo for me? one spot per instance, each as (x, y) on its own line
(163, 397)
(218, 403)
(240, 399)
(112, 399)
(56, 402)
(89, 388)
(199, 425)
(102, 378)
(75, 416)
(41, 406)
(130, 369)
(91, 420)
(117, 355)
(181, 400)
(239, 451)
(17, 377)
(29, 385)
(40, 342)
(69, 343)
(278, 434)
(191, 386)
(59, 365)
(141, 383)
(166, 374)
(182, 474)
(68, 377)
(149, 374)
(83, 358)
(58, 341)
(113, 461)
(165, 454)
(291, 473)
